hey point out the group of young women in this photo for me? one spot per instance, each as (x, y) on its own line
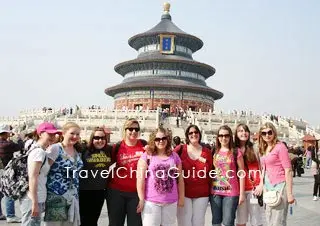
(153, 184)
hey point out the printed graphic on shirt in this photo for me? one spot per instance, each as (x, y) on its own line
(222, 181)
(100, 158)
(164, 178)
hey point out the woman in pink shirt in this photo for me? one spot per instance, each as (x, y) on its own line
(160, 183)
(228, 185)
(277, 173)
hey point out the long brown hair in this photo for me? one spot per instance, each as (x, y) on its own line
(90, 144)
(218, 144)
(262, 144)
(249, 154)
(152, 137)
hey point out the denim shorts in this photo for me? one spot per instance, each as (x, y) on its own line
(223, 209)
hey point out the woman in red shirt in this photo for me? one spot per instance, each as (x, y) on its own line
(196, 164)
(122, 198)
(249, 210)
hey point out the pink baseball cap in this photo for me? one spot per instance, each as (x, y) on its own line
(47, 127)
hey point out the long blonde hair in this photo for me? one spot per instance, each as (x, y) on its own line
(262, 144)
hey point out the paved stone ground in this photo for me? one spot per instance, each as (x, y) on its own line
(307, 212)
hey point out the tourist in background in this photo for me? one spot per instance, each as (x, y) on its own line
(160, 190)
(29, 138)
(122, 198)
(32, 205)
(7, 148)
(248, 211)
(315, 169)
(176, 141)
(63, 179)
(96, 158)
(227, 186)
(307, 154)
(195, 158)
(277, 173)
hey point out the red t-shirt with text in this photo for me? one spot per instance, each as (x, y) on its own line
(124, 175)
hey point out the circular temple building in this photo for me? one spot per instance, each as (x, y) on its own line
(164, 74)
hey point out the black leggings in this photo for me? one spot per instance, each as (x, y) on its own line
(316, 187)
(91, 203)
(122, 205)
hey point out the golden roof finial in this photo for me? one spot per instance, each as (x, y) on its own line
(166, 7)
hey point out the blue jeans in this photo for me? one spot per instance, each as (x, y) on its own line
(308, 161)
(1, 196)
(9, 202)
(223, 209)
(26, 208)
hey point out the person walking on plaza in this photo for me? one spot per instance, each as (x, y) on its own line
(7, 148)
(315, 169)
(196, 160)
(277, 174)
(93, 184)
(249, 211)
(122, 198)
(160, 189)
(228, 185)
(62, 206)
(33, 203)
(307, 154)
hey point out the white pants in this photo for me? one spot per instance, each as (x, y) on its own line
(154, 214)
(249, 213)
(194, 211)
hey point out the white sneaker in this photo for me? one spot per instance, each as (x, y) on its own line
(13, 219)
(315, 198)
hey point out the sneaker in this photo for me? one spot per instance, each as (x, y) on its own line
(315, 198)
(3, 217)
(13, 219)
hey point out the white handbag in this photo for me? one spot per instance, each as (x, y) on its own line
(273, 198)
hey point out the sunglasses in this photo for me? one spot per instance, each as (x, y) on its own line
(193, 132)
(99, 138)
(224, 135)
(158, 139)
(263, 133)
(135, 129)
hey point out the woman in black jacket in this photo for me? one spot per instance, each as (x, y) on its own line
(315, 155)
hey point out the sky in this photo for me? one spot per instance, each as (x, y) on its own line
(62, 53)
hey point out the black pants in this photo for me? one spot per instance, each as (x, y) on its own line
(297, 167)
(91, 203)
(316, 187)
(122, 204)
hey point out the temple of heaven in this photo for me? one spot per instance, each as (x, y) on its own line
(164, 74)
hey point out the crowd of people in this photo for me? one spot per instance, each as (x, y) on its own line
(156, 182)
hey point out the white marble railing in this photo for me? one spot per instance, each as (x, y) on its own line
(208, 121)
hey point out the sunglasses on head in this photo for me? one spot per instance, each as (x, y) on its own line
(193, 132)
(264, 133)
(158, 139)
(99, 138)
(135, 129)
(224, 135)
